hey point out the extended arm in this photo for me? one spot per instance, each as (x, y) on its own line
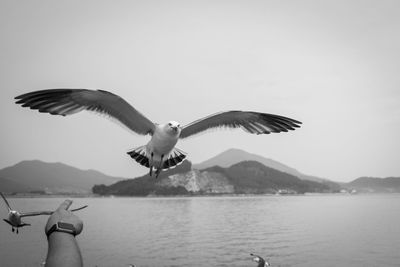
(63, 249)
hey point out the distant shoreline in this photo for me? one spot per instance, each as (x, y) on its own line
(184, 196)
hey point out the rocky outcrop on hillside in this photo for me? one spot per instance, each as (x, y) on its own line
(200, 182)
(248, 177)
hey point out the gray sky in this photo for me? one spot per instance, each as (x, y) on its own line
(331, 64)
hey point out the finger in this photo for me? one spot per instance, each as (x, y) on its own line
(65, 205)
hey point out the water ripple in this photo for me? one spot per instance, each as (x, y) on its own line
(222, 231)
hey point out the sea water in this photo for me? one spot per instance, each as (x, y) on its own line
(305, 230)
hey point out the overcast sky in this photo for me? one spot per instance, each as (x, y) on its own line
(334, 65)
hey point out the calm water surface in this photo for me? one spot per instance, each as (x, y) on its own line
(311, 230)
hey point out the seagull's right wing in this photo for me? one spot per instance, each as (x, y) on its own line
(5, 200)
(37, 213)
(69, 101)
(80, 208)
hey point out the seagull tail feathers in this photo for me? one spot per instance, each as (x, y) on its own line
(139, 154)
(175, 158)
(24, 224)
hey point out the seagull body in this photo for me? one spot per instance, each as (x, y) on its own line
(260, 261)
(14, 217)
(163, 140)
(160, 152)
(161, 144)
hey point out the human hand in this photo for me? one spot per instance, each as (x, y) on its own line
(62, 214)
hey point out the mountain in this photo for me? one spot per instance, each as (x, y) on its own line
(248, 177)
(233, 156)
(145, 185)
(254, 177)
(8, 186)
(375, 185)
(36, 175)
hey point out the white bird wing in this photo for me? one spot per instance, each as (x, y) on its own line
(252, 122)
(69, 101)
(5, 200)
(36, 213)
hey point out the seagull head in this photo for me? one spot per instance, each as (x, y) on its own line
(173, 127)
(14, 214)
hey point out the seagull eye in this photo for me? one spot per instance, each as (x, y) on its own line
(169, 124)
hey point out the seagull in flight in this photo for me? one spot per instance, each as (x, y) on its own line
(261, 262)
(160, 152)
(14, 216)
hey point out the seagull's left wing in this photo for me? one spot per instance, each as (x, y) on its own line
(5, 200)
(251, 122)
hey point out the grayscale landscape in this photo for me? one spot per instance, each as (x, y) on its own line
(265, 127)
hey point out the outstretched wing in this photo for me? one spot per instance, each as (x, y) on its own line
(69, 101)
(80, 208)
(252, 122)
(261, 262)
(36, 213)
(5, 200)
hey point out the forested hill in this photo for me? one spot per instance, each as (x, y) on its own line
(248, 177)
(36, 175)
(144, 185)
(376, 185)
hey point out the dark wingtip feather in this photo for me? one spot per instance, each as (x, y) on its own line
(296, 122)
(42, 92)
